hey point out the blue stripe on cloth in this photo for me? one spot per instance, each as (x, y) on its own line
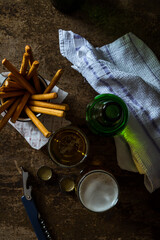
(77, 36)
(77, 48)
(110, 56)
(91, 68)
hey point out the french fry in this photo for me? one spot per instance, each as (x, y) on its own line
(36, 121)
(64, 107)
(54, 81)
(32, 70)
(20, 107)
(46, 96)
(6, 104)
(11, 94)
(20, 78)
(9, 113)
(24, 64)
(49, 111)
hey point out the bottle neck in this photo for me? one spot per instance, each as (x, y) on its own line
(108, 113)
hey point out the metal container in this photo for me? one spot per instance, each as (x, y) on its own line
(23, 117)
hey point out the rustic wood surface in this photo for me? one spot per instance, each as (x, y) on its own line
(137, 215)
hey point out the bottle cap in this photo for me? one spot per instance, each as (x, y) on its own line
(67, 184)
(44, 173)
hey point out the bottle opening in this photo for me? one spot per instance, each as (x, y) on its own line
(112, 112)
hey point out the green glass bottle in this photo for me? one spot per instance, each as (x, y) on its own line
(107, 115)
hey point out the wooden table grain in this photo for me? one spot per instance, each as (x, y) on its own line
(137, 214)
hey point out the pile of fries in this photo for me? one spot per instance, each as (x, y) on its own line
(23, 91)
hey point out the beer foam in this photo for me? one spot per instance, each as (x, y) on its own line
(98, 191)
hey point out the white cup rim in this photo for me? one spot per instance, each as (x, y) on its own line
(94, 171)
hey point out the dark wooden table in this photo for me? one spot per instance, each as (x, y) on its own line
(137, 215)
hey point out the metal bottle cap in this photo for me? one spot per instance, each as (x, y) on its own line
(67, 184)
(44, 173)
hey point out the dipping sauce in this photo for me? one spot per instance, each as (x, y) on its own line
(68, 147)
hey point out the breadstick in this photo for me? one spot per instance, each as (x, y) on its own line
(6, 104)
(2, 88)
(37, 83)
(49, 111)
(46, 96)
(9, 113)
(12, 78)
(24, 64)
(4, 83)
(64, 107)
(11, 94)
(8, 89)
(20, 107)
(29, 51)
(11, 84)
(35, 77)
(32, 70)
(54, 81)
(20, 78)
(36, 121)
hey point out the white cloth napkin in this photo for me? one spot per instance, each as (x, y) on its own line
(29, 131)
(129, 69)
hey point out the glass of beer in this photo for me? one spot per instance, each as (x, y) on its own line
(98, 190)
(68, 147)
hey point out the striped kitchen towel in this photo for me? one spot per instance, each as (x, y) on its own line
(128, 68)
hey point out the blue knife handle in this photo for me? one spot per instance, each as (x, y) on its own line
(33, 216)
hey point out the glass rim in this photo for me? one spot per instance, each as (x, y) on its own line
(69, 128)
(89, 173)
